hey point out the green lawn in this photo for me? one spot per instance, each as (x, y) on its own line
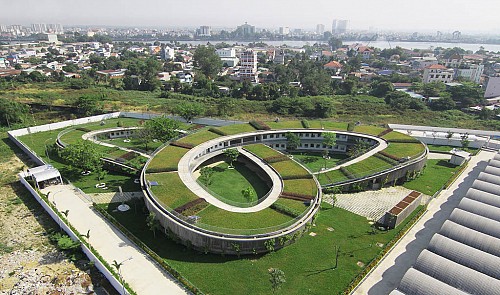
(290, 168)
(113, 181)
(167, 159)
(199, 137)
(300, 186)
(329, 125)
(217, 219)
(134, 144)
(396, 135)
(368, 166)
(331, 177)
(369, 129)
(308, 264)
(402, 150)
(315, 161)
(285, 124)
(447, 148)
(292, 204)
(236, 128)
(435, 175)
(171, 191)
(262, 151)
(227, 184)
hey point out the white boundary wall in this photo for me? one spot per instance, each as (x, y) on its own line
(74, 236)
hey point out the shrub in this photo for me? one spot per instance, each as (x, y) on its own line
(296, 195)
(305, 124)
(182, 144)
(387, 158)
(350, 127)
(83, 129)
(297, 176)
(401, 140)
(259, 125)
(275, 159)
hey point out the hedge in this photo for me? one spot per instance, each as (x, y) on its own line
(297, 176)
(297, 195)
(217, 131)
(305, 124)
(387, 158)
(350, 127)
(83, 129)
(259, 125)
(182, 145)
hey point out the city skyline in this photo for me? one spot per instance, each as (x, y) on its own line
(428, 16)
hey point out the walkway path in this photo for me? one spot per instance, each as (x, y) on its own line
(387, 276)
(140, 272)
(189, 180)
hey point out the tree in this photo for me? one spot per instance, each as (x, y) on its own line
(359, 148)
(292, 141)
(464, 140)
(380, 89)
(231, 155)
(207, 61)
(152, 223)
(277, 279)
(88, 105)
(330, 140)
(160, 128)
(249, 194)
(189, 111)
(206, 174)
(335, 43)
(443, 104)
(82, 155)
(12, 112)
(225, 106)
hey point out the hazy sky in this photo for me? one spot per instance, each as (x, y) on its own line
(420, 15)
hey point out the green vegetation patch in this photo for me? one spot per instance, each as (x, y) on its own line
(329, 125)
(167, 159)
(330, 177)
(433, 178)
(396, 135)
(369, 129)
(300, 186)
(292, 204)
(310, 258)
(290, 169)
(171, 191)
(236, 128)
(199, 137)
(227, 184)
(315, 161)
(214, 218)
(447, 149)
(402, 150)
(368, 166)
(285, 124)
(262, 151)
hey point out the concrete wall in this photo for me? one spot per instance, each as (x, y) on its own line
(75, 237)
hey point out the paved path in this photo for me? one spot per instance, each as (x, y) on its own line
(387, 276)
(115, 197)
(189, 180)
(140, 272)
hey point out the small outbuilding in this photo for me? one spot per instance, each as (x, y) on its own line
(45, 175)
(458, 157)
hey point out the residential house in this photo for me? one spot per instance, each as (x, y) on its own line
(333, 66)
(423, 62)
(492, 87)
(365, 51)
(471, 72)
(167, 53)
(111, 74)
(438, 73)
(248, 66)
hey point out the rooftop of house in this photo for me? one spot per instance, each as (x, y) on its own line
(333, 64)
(436, 67)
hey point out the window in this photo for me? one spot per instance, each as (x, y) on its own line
(306, 145)
(264, 137)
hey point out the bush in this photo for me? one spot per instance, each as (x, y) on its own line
(83, 129)
(259, 125)
(306, 124)
(401, 140)
(350, 127)
(297, 176)
(387, 158)
(297, 195)
(384, 132)
(275, 159)
(182, 144)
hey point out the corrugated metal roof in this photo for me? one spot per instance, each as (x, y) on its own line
(464, 256)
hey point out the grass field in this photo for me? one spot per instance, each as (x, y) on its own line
(300, 186)
(368, 129)
(396, 135)
(447, 148)
(171, 191)
(315, 161)
(328, 125)
(199, 137)
(284, 124)
(167, 159)
(236, 128)
(402, 150)
(262, 150)
(368, 166)
(331, 177)
(299, 206)
(290, 168)
(308, 264)
(435, 175)
(228, 183)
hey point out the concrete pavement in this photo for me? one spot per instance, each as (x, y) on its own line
(388, 274)
(138, 270)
